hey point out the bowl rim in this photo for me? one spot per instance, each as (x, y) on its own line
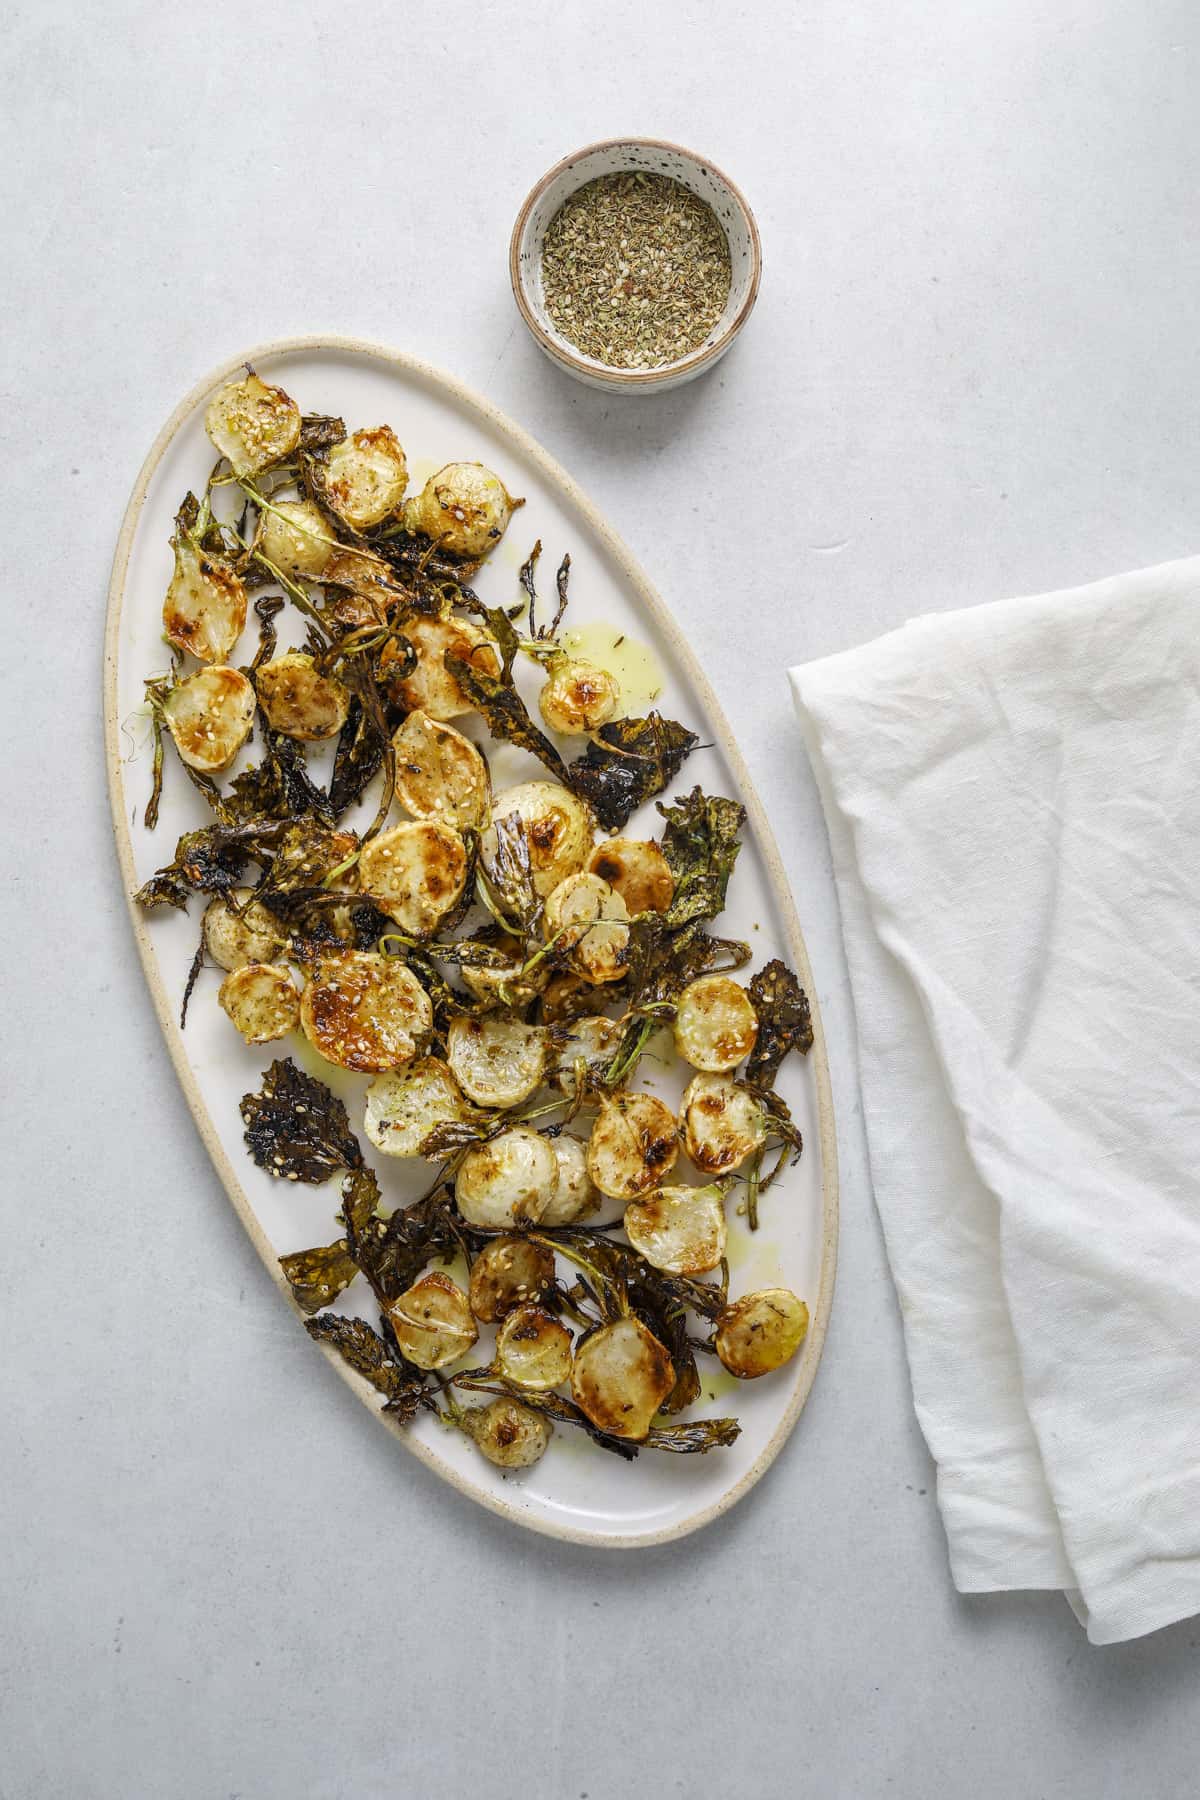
(554, 348)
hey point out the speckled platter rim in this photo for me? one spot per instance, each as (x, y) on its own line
(670, 374)
(430, 377)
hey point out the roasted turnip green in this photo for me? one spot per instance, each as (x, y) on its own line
(488, 964)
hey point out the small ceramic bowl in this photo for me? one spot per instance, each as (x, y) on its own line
(618, 156)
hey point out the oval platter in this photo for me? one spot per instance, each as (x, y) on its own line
(576, 1492)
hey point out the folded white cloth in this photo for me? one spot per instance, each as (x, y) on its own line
(1013, 801)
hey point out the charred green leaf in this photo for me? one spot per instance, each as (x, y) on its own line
(784, 1021)
(453, 1135)
(694, 1438)
(505, 879)
(392, 1256)
(193, 976)
(786, 1132)
(316, 1277)
(779, 1117)
(319, 431)
(429, 575)
(157, 688)
(620, 1278)
(360, 1197)
(405, 1405)
(447, 1001)
(500, 628)
(365, 1352)
(480, 951)
(627, 762)
(544, 634)
(369, 746)
(496, 697)
(359, 756)
(308, 914)
(267, 609)
(662, 962)
(700, 844)
(209, 861)
(306, 853)
(363, 1226)
(561, 579)
(528, 580)
(296, 1128)
(279, 787)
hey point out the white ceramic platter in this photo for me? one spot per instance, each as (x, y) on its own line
(577, 1491)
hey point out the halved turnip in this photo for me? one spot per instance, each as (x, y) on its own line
(715, 1024)
(253, 424)
(680, 1230)
(761, 1331)
(590, 919)
(432, 1321)
(297, 538)
(209, 715)
(365, 477)
(440, 774)
(404, 1106)
(298, 701)
(364, 1011)
(533, 1348)
(593, 1042)
(261, 1000)
(578, 696)
(510, 1435)
(558, 829)
(509, 1272)
(464, 508)
(637, 870)
(430, 687)
(244, 932)
(508, 1181)
(632, 1146)
(205, 608)
(723, 1124)
(497, 1061)
(415, 873)
(508, 984)
(621, 1376)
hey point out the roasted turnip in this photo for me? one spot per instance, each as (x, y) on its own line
(633, 1145)
(464, 508)
(761, 1331)
(715, 1024)
(621, 1376)
(680, 1230)
(533, 1349)
(507, 1273)
(405, 1105)
(261, 1000)
(253, 424)
(508, 1181)
(433, 1322)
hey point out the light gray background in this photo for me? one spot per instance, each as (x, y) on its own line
(972, 372)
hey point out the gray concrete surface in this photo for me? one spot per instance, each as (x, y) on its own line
(973, 372)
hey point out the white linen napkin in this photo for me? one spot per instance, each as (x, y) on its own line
(1013, 801)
